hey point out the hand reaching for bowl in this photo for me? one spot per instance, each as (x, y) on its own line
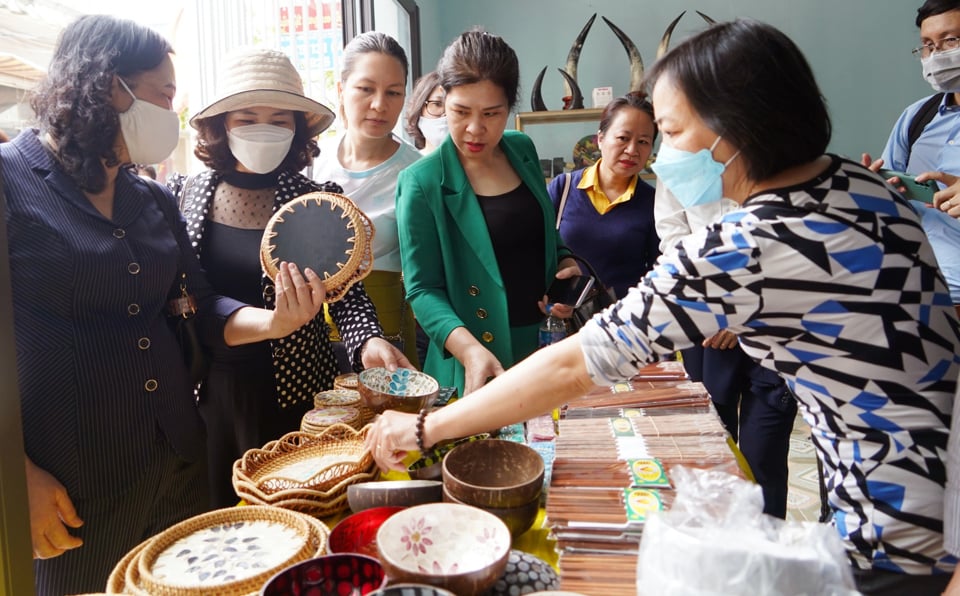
(391, 436)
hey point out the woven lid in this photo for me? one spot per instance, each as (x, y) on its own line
(324, 231)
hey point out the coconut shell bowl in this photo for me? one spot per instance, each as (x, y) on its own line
(404, 389)
(455, 547)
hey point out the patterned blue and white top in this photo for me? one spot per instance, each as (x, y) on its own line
(833, 284)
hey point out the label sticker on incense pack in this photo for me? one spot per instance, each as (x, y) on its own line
(639, 502)
(622, 427)
(622, 387)
(632, 413)
(629, 448)
(647, 473)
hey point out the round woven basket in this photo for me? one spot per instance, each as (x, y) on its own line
(214, 521)
(324, 231)
(338, 453)
(313, 503)
(116, 583)
(321, 418)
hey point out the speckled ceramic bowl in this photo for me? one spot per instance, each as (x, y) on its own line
(458, 548)
(404, 389)
(494, 473)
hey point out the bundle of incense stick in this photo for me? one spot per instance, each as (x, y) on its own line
(610, 575)
(673, 448)
(648, 426)
(627, 412)
(597, 508)
(597, 473)
(668, 369)
(644, 394)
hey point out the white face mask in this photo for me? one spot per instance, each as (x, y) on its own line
(149, 131)
(260, 147)
(434, 129)
(942, 70)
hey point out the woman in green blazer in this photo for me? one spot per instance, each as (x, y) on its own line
(477, 237)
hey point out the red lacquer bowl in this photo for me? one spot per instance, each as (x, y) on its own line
(357, 533)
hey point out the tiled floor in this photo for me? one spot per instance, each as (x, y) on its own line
(803, 491)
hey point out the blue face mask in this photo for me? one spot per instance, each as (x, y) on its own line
(693, 178)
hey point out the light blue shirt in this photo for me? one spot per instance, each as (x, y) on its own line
(943, 231)
(936, 150)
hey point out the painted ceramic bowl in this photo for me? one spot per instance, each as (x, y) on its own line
(458, 548)
(404, 389)
(357, 533)
(412, 590)
(393, 493)
(518, 519)
(494, 473)
(524, 574)
(330, 575)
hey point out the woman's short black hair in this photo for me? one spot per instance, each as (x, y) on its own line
(934, 7)
(636, 100)
(477, 55)
(72, 102)
(421, 93)
(751, 84)
(213, 145)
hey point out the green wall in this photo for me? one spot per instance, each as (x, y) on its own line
(859, 51)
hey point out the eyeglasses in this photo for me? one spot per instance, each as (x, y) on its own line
(434, 107)
(927, 49)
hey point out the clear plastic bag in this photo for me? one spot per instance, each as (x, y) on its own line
(716, 540)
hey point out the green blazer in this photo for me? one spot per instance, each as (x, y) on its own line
(449, 267)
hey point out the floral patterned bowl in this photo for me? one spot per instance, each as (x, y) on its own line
(330, 575)
(404, 389)
(357, 533)
(459, 548)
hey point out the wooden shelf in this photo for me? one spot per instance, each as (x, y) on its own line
(554, 116)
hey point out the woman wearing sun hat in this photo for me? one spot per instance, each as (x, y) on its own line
(255, 138)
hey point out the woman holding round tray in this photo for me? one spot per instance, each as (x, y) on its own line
(255, 138)
(366, 159)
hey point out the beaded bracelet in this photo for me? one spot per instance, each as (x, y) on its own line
(421, 417)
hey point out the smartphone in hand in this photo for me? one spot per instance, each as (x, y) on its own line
(571, 291)
(917, 191)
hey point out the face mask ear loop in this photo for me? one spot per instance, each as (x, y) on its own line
(732, 157)
(119, 78)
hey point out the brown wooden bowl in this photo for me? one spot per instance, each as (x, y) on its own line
(493, 473)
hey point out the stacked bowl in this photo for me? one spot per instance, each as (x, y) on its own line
(504, 478)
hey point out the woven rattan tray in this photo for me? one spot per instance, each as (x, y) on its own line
(324, 231)
(299, 461)
(125, 577)
(227, 551)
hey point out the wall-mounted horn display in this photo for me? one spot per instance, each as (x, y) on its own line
(573, 98)
(571, 102)
(573, 58)
(636, 62)
(665, 40)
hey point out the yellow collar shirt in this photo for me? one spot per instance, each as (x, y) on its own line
(590, 183)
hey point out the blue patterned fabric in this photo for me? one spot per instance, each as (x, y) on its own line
(833, 284)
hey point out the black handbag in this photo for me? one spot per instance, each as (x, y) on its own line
(182, 309)
(599, 297)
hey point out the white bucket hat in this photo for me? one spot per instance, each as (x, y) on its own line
(254, 77)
